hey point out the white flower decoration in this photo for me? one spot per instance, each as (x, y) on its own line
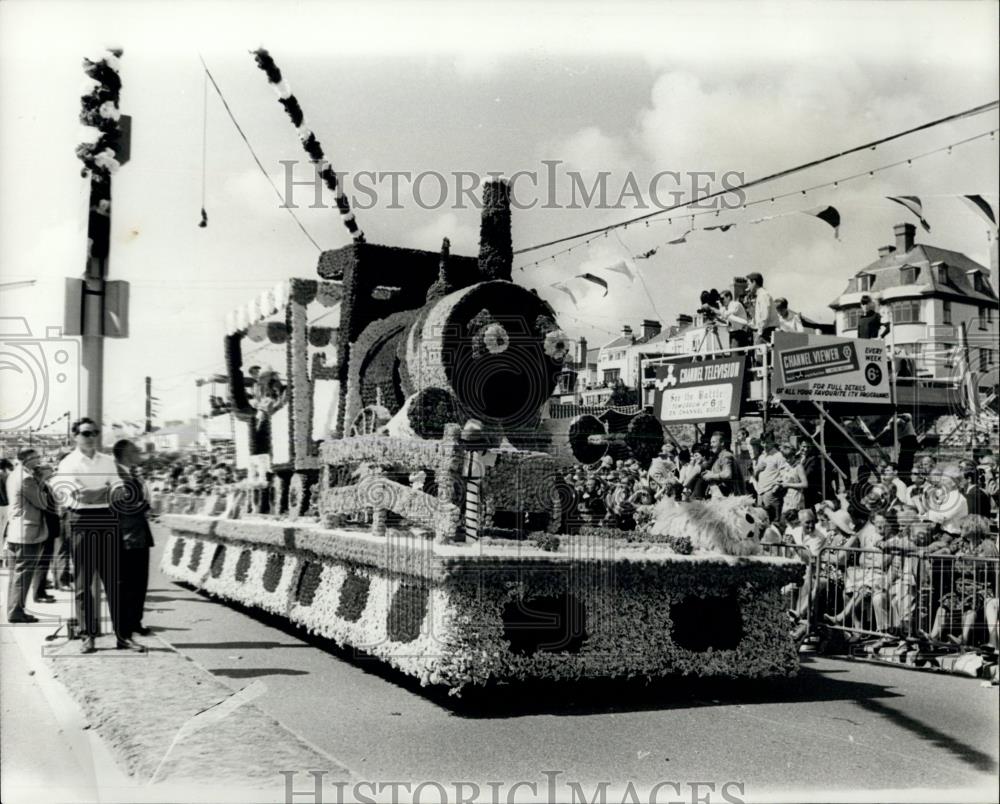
(106, 160)
(109, 111)
(495, 339)
(556, 344)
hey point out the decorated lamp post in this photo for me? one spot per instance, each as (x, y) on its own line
(95, 307)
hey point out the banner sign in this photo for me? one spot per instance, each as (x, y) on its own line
(824, 368)
(691, 391)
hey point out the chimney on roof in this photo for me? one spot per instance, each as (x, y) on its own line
(904, 233)
(739, 287)
(626, 331)
(885, 251)
(650, 328)
(581, 346)
(684, 320)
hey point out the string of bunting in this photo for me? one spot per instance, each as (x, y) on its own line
(310, 144)
(781, 174)
(826, 213)
(99, 110)
(56, 420)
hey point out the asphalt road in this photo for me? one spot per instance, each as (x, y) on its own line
(840, 726)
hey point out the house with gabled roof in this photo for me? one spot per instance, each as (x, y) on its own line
(926, 293)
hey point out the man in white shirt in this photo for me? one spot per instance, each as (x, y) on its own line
(788, 320)
(737, 320)
(765, 317)
(83, 484)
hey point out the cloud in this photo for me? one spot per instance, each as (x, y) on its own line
(464, 237)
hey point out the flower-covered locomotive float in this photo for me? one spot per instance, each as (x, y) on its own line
(428, 527)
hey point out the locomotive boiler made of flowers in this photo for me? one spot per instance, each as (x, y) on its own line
(436, 374)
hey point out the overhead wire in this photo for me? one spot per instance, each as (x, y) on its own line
(976, 110)
(689, 217)
(253, 153)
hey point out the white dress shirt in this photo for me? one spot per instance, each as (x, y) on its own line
(77, 472)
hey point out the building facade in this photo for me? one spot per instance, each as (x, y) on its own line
(926, 293)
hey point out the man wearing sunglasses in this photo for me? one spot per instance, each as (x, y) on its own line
(83, 484)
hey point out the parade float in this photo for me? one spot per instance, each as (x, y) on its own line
(401, 500)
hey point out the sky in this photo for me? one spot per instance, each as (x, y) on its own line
(477, 88)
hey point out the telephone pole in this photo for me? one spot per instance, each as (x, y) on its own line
(149, 404)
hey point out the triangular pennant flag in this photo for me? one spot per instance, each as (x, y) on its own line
(828, 215)
(621, 267)
(596, 280)
(682, 239)
(981, 207)
(912, 203)
(646, 254)
(725, 227)
(562, 286)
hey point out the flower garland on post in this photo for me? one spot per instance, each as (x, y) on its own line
(99, 111)
(309, 141)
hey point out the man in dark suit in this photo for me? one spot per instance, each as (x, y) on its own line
(25, 533)
(131, 502)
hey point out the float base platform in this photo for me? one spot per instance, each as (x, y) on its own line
(481, 612)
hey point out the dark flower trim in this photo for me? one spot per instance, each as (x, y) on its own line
(353, 596)
(196, 552)
(272, 571)
(243, 565)
(218, 560)
(407, 612)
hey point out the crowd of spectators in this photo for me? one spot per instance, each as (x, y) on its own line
(194, 473)
(861, 541)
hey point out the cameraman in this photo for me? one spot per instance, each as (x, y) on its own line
(737, 320)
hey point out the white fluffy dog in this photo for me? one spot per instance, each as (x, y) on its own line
(728, 525)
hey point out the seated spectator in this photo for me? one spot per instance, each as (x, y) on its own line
(864, 577)
(944, 503)
(692, 483)
(809, 541)
(973, 599)
(779, 534)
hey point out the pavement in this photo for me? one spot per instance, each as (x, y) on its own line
(841, 729)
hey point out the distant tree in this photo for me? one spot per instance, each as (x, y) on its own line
(622, 396)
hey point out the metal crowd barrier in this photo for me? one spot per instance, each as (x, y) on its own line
(946, 602)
